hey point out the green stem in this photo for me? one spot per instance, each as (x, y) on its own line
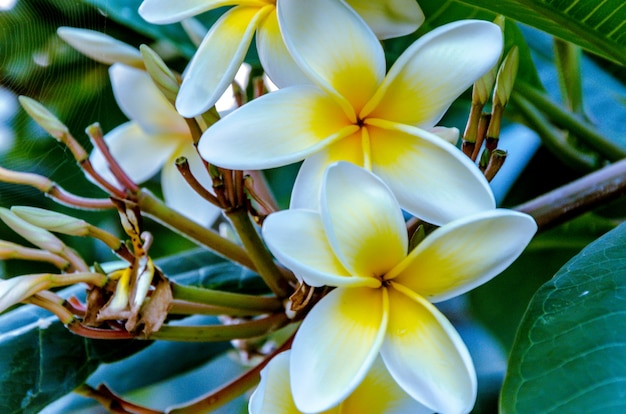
(261, 257)
(577, 197)
(551, 138)
(568, 68)
(562, 117)
(226, 299)
(178, 307)
(156, 209)
(217, 333)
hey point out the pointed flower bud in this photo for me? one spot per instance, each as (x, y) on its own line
(506, 77)
(161, 75)
(100, 47)
(44, 118)
(20, 288)
(36, 235)
(51, 220)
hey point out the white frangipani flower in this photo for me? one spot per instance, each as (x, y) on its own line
(152, 140)
(378, 393)
(358, 243)
(215, 63)
(354, 112)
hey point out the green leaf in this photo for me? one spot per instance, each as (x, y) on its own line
(596, 25)
(40, 360)
(513, 289)
(569, 354)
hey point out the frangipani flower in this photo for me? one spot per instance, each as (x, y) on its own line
(151, 141)
(378, 393)
(353, 112)
(224, 47)
(382, 302)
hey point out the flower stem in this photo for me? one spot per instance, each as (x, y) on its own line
(261, 257)
(180, 307)
(577, 197)
(217, 333)
(225, 299)
(53, 190)
(562, 117)
(155, 208)
(228, 392)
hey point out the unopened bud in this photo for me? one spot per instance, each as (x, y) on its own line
(100, 47)
(483, 86)
(161, 75)
(20, 288)
(44, 118)
(16, 289)
(36, 235)
(51, 220)
(506, 77)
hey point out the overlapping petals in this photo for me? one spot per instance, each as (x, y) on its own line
(151, 141)
(353, 112)
(213, 67)
(361, 235)
(378, 393)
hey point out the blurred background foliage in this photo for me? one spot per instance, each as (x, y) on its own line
(36, 63)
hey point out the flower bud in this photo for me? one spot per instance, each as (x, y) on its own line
(44, 118)
(161, 75)
(506, 77)
(51, 220)
(36, 235)
(101, 47)
(16, 289)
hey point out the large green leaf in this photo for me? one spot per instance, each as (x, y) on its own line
(40, 361)
(569, 354)
(596, 25)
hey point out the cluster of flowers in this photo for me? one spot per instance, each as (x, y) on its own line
(371, 149)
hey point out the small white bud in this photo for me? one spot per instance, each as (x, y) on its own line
(51, 220)
(100, 47)
(44, 118)
(36, 235)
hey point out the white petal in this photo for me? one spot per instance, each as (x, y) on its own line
(168, 11)
(389, 18)
(450, 135)
(362, 220)
(466, 253)
(336, 345)
(297, 239)
(335, 47)
(142, 102)
(274, 56)
(434, 71)
(180, 196)
(379, 393)
(279, 128)
(101, 47)
(140, 155)
(273, 395)
(213, 67)
(426, 356)
(431, 178)
(306, 189)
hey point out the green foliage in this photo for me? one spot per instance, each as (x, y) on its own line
(594, 25)
(570, 353)
(42, 361)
